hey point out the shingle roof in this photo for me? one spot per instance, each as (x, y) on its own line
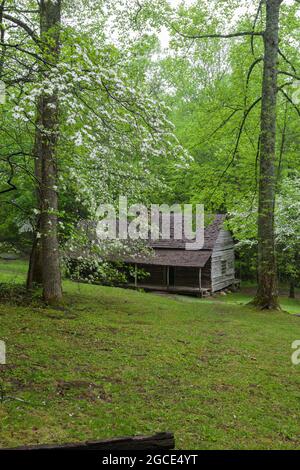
(173, 253)
(211, 234)
(167, 257)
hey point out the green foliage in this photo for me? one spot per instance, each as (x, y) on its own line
(17, 294)
(101, 272)
(120, 95)
(93, 271)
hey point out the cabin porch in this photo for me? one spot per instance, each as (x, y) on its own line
(195, 291)
(175, 279)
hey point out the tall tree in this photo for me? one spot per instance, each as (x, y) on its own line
(42, 50)
(107, 130)
(35, 268)
(50, 16)
(267, 292)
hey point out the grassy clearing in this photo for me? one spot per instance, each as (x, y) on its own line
(118, 362)
(13, 271)
(242, 298)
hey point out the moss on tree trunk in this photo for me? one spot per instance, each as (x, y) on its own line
(267, 292)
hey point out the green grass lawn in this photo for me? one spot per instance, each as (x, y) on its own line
(242, 298)
(118, 362)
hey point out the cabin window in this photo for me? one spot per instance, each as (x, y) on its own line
(230, 265)
(224, 267)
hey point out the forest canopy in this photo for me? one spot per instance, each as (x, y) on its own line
(161, 101)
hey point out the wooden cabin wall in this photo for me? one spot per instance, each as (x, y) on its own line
(222, 265)
(158, 276)
(187, 277)
(206, 275)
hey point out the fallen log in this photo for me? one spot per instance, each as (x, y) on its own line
(163, 441)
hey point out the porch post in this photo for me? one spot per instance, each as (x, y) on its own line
(168, 277)
(200, 279)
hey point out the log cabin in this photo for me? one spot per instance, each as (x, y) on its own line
(202, 272)
(170, 267)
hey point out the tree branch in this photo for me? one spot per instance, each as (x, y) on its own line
(216, 35)
(287, 60)
(12, 174)
(223, 124)
(251, 68)
(25, 51)
(288, 74)
(16, 10)
(140, 7)
(290, 101)
(23, 26)
(283, 139)
(257, 61)
(254, 24)
(246, 114)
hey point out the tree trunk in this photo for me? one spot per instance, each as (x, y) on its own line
(35, 270)
(50, 11)
(292, 294)
(267, 293)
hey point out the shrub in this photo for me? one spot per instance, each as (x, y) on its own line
(17, 294)
(101, 272)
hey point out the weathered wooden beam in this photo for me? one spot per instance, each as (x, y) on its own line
(200, 280)
(158, 441)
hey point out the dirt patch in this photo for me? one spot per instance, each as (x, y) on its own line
(113, 380)
(109, 329)
(63, 316)
(82, 390)
(223, 388)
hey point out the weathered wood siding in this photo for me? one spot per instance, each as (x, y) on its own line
(206, 275)
(222, 262)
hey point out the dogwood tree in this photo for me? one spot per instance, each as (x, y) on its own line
(288, 229)
(87, 126)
